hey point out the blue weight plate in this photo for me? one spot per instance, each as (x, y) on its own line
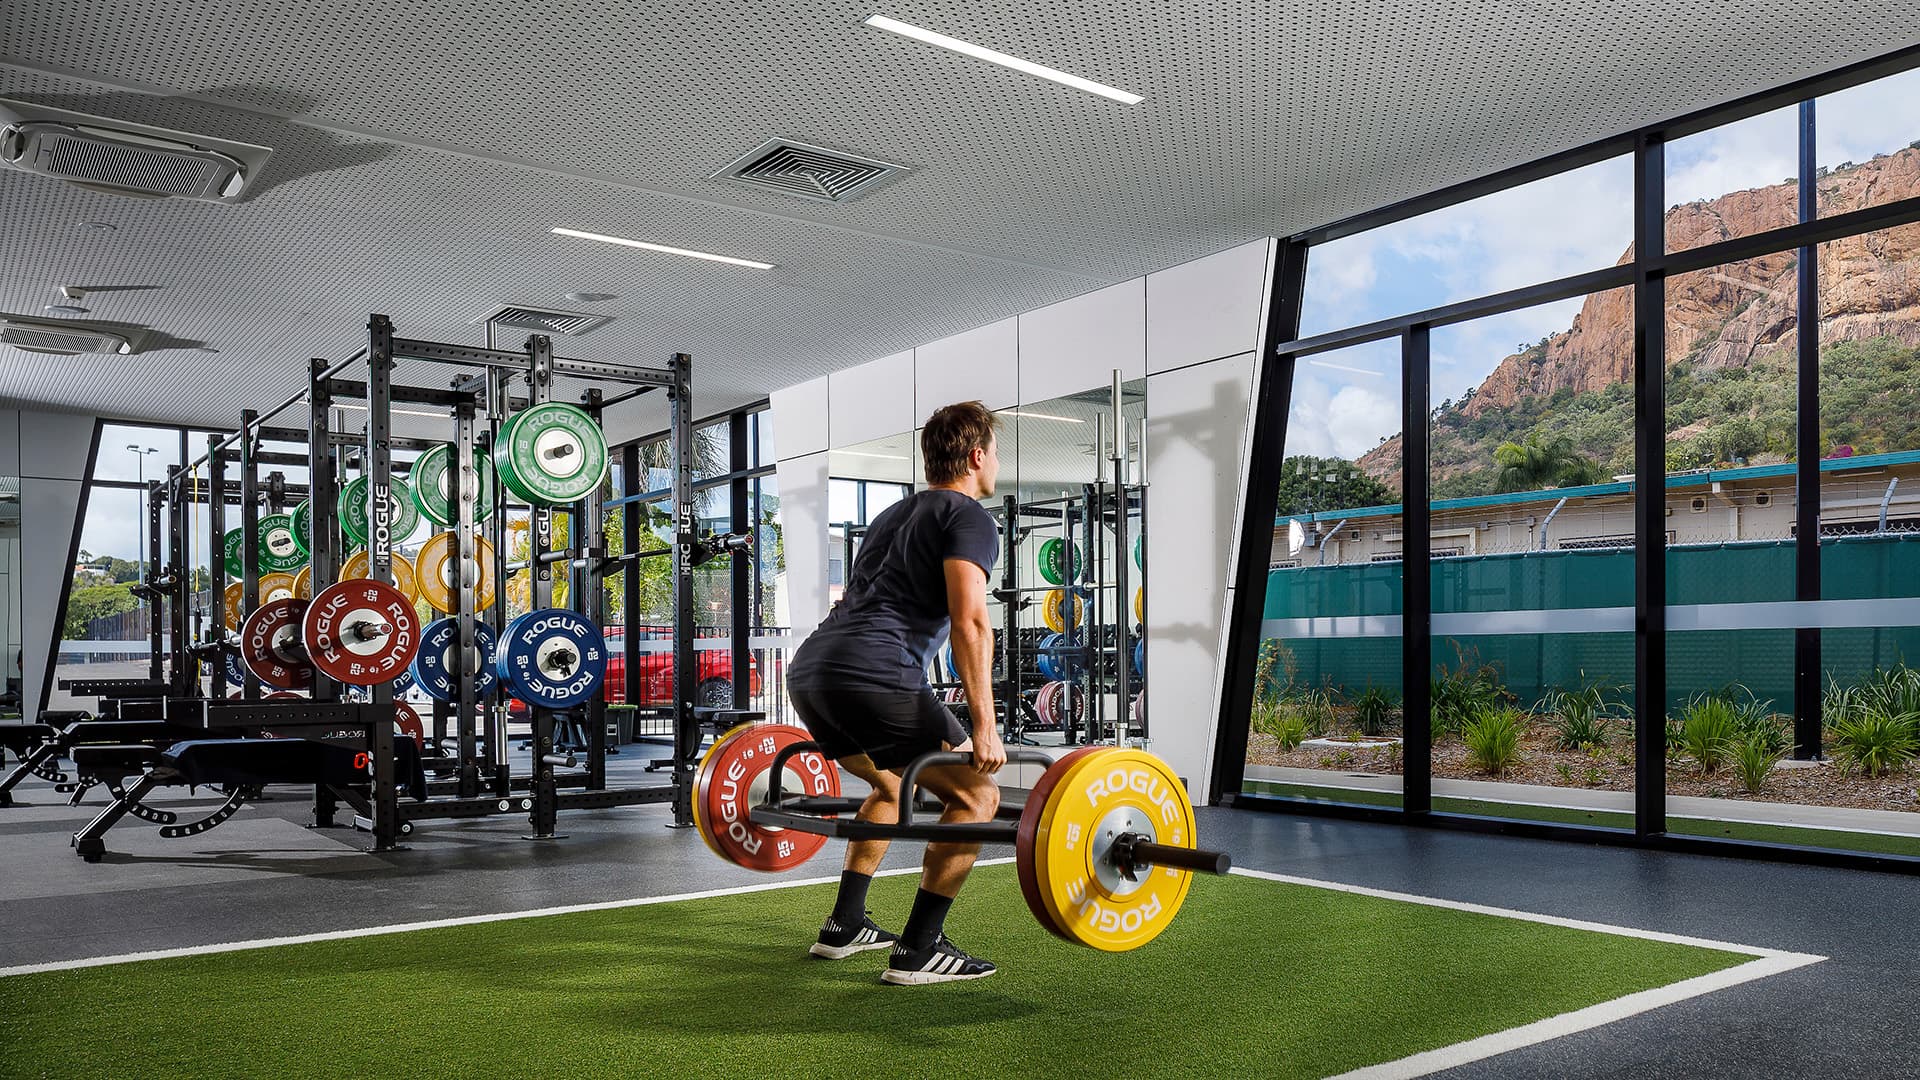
(433, 665)
(1044, 660)
(236, 671)
(552, 658)
(1140, 656)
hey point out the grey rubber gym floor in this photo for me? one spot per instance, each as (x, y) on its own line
(263, 875)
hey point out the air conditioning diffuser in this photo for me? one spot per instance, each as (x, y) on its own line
(62, 338)
(125, 158)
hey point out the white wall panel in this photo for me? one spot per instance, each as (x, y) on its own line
(54, 446)
(803, 523)
(872, 400)
(1197, 439)
(983, 364)
(1075, 345)
(1208, 308)
(48, 511)
(800, 419)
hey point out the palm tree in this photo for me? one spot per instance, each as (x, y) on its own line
(1535, 465)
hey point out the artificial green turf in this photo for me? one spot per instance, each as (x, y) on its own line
(1255, 978)
(1876, 843)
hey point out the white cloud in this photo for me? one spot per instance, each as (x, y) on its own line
(1345, 414)
(1877, 118)
(1757, 152)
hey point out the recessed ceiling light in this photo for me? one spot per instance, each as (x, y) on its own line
(590, 297)
(1042, 416)
(65, 309)
(981, 52)
(709, 256)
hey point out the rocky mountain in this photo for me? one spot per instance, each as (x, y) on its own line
(1723, 324)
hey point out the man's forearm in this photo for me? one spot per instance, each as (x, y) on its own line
(973, 655)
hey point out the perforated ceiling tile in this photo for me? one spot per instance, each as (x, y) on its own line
(417, 170)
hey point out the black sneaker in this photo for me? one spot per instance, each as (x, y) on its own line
(942, 961)
(839, 942)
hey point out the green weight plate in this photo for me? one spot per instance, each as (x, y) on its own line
(403, 514)
(279, 551)
(429, 480)
(551, 455)
(1053, 567)
(303, 526)
(230, 547)
(1138, 559)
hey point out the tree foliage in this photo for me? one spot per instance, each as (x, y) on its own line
(1311, 484)
(95, 602)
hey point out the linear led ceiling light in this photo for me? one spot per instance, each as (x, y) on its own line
(869, 453)
(1042, 416)
(709, 256)
(981, 52)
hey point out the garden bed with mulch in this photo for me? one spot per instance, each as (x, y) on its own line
(1609, 768)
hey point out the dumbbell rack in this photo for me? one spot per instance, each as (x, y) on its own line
(489, 390)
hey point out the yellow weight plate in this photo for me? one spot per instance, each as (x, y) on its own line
(235, 596)
(1061, 610)
(404, 578)
(1112, 791)
(303, 582)
(276, 586)
(435, 572)
(701, 779)
(1139, 605)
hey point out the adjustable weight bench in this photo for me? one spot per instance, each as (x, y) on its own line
(240, 767)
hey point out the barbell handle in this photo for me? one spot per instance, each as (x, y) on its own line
(1147, 853)
(949, 757)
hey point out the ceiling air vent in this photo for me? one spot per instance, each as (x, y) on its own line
(546, 321)
(810, 172)
(64, 338)
(124, 158)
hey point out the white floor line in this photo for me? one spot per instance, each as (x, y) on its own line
(435, 924)
(1766, 962)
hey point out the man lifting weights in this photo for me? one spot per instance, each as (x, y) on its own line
(860, 684)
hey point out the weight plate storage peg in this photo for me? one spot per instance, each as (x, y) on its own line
(271, 646)
(1066, 843)
(551, 454)
(433, 669)
(359, 566)
(279, 551)
(360, 632)
(551, 658)
(402, 514)
(732, 778)
(433, 572)
(429, 478)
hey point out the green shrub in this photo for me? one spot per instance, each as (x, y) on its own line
(1492, 736)
(1707, 730)
(1581, 714)
(1462, 692)
(1875, 741)
(1373, 710)
(1754, 757)
(1315, 709)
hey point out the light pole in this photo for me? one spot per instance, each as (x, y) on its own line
(140, 505)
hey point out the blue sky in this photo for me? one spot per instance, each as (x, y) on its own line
(1345, 402)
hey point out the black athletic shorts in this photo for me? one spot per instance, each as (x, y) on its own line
(890, 726)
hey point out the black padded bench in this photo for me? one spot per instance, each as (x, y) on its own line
(241, 767)
(81, 731)
(21, 738)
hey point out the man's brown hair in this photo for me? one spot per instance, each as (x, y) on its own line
(951, 434)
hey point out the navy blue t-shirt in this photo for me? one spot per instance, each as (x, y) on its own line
(882, 633)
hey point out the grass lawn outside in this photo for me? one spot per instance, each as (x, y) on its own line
(1259, 975)
(1877, 843)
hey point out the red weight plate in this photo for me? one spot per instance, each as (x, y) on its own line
(270, 645)
(736, 779)
(407, 722)
(1025, 848)
(361, 632)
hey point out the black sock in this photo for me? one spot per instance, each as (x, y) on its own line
(851, 906)
(929, 915)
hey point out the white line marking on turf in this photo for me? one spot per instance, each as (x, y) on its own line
(435, 924)
(1766, 962)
